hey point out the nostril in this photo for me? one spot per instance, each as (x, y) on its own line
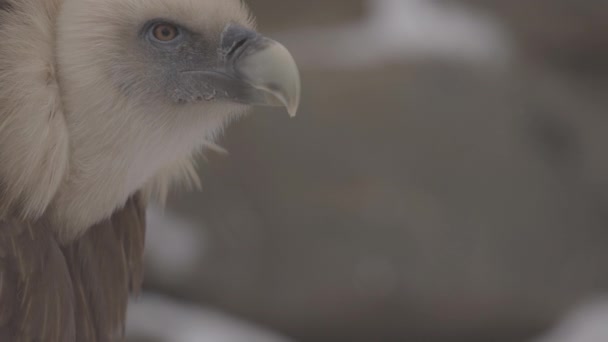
(236, 47)
(234, 38)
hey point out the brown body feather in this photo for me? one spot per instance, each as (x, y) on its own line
(72, 293)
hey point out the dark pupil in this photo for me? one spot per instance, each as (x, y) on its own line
(166, 32)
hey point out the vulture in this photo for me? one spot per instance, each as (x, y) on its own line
(103, 106)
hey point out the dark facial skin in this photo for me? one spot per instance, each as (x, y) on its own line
(198, 68)
(165, 62)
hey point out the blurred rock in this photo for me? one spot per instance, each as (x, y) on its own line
(569, 34)
(428, 200)
(290, 14)
(433, 200)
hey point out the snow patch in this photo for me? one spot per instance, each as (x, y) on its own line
(588, 323)
(394, 30)
(162, 319)
(174, 245)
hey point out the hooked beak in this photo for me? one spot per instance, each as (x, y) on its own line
(260, 70)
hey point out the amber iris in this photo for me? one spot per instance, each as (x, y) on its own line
(165, 32)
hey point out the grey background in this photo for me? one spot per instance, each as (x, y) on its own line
(423, 198)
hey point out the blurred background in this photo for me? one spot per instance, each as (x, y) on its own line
(445, 180)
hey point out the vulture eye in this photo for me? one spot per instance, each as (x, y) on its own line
(165, 32)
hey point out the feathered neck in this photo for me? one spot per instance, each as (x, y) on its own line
(72, 173)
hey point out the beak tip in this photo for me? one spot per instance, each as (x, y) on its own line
(272, 70)
(294, 104)
(292, 112)
(291, 106)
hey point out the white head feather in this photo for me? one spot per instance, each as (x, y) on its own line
(74, 144)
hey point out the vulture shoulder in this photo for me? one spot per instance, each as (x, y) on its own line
(77, 292)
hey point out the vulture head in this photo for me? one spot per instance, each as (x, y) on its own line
(101, 99)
